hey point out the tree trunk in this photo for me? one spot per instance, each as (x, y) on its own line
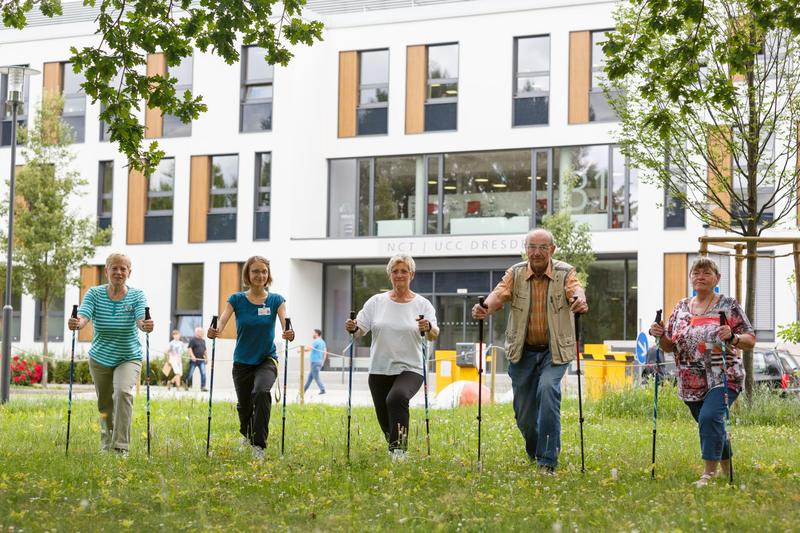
(45, 326)
(749, 311)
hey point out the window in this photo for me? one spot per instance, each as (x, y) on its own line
(764, 321)
(342, 197)
(441, 105)
(256, 95)
(674, 208)
(765, 179)
(187, 298)
(16, 315)
(531, 80)
(105, 194)
(160, 192)
(263, 183)
(173, 127)
(613, 282)
(74, 113)
(105, 134)
(599, 108)
(55, 320)
(221, 225)
(373, 99)
(5, 111)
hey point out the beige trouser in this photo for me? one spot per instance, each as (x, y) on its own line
(114, 387)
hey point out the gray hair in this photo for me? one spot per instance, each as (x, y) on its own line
(541, 230)
(702, 263)
(401, 258)
(118, 257)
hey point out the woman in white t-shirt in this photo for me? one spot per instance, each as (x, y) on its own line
(396, 369)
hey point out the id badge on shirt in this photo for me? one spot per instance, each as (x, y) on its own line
(264, 311)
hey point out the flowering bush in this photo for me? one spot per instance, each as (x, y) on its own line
(25, 371)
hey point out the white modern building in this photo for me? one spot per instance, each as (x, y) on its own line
(443, 129)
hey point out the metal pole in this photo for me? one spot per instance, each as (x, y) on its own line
(302, 374)
(5, 373)
(494, 371)
(739, 260)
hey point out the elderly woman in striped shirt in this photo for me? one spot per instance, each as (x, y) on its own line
(115, 358)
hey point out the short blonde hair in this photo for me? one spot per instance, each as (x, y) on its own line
(703, 263)
(401, 258)
(118, 257)
(246, 270)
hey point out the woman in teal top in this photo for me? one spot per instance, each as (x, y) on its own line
(255, 360)
(115, 358)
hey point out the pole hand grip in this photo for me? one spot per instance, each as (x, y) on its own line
(352, 317)
(214, 322)
(722, 319)
(482, 302)
(421, 333)
(147, 313)
(577, 315)
(74, 312)
(288, 323)
(658, 317)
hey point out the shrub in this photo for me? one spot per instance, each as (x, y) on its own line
(25, 370)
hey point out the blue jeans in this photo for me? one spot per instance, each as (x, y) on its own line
(314, 374)
(710, 416)
(202, 366)
(536, 383)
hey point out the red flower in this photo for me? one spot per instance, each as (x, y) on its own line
(15, 358)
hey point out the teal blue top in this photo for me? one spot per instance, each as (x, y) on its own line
(255, 328)
(318, 349)
(116, 337)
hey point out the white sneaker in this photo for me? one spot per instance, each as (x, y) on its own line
(703, 481)
(258, 453)
(244, 443)
(398, 455)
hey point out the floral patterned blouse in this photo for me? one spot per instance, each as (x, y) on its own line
(698, 352)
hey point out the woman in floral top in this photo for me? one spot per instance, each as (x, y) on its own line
(695, 336)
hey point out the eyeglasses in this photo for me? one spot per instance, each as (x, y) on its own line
(541, 247)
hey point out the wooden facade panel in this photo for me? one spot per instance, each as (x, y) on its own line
(720, 173)
(230, 281)
(416, 87)
(137, 206)
(53, 78)
(198, 197)
(90, 276)
(348, 93)
(580, 57)
(153, 120)
(676, 281)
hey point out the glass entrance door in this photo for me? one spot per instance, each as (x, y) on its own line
(455, 321)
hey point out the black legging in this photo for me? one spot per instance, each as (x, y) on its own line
(253, 384)
(391, 395)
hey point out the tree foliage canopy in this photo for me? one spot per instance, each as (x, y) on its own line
(128, 30)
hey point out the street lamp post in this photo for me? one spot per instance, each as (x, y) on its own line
(16, 82)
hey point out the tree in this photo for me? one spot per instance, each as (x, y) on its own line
(51, 242)
(573, 242)
(129, 30)
(708, 95)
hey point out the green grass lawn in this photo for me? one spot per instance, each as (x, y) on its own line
(314, 488)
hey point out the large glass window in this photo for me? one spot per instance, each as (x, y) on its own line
(765, 184)
(263, 183)
(580, 183)
(105, 194)
(224, 189)
(55, 320)
(531, 80)
(5, 111)
(343, 198)
(187, 298)
(105, 133)
(173, 127)
(160, 194)
(373, 99)
(255, 112)
(487, 192)
(74, 113)
(599, 108)
(394, 195)
(613, 282)
(441, 105)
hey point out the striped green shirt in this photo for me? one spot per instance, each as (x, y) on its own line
(116, 337)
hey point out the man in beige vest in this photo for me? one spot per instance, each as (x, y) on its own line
(540, 341)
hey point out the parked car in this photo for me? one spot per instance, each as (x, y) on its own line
(777, 370)
(666, 368)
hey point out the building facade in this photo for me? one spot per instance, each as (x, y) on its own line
(445, 130)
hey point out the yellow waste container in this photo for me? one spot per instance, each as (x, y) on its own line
(447, 371)
(604, 369)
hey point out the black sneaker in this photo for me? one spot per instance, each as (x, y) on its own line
(321, 393)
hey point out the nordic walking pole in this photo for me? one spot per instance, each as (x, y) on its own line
(580, 395)
(211, 385)
(147, 364)
(350, 384)
(285, 377)
(71, 378)
(425, 386)
(727, 422)
(655, 401)
(480, 377)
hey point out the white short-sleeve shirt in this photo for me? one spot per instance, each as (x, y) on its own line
(396, 339)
